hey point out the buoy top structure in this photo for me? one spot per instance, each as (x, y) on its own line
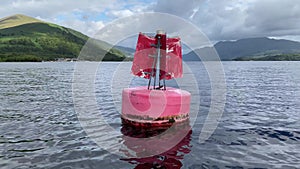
(158, 59)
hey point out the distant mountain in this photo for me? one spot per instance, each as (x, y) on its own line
(24, 38)
(126, 50)
(251, 49)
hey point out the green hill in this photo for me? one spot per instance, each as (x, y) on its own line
(16, 20)
(23, 38)
(278, 57)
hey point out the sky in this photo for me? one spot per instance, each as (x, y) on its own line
(219, 20)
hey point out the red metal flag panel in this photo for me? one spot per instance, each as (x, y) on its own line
(144, 63)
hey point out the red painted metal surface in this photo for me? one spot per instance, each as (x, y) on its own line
(143, 107)
(170, 61)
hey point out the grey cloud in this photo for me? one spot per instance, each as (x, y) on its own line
(275, 17)
(217, 19)
(228, 20)
(181, 8)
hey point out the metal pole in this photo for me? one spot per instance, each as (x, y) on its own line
(152, 73)
(157, 74)
(149, 82)
(156, 63)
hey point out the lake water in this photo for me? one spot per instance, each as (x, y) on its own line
(260, 126)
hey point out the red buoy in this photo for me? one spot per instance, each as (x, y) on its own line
(158, 59)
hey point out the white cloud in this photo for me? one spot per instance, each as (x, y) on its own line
(85, 16)
(88, 27)
(121, 13)
(45, 8)
(78, 15)
(218, 19)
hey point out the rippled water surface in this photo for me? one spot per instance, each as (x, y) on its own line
(260, 126)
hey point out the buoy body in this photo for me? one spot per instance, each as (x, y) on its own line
(143, 107)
